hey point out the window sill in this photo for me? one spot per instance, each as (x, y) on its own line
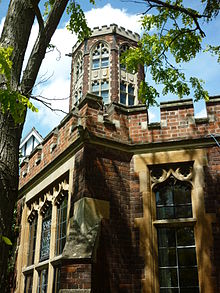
(28, 269)
(175, 222)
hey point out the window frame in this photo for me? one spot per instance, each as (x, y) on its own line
(40, 277)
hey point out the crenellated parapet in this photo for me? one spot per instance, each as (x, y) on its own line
(124, 127)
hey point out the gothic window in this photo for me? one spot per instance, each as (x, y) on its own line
(123, 49)
(100, 56)
(61, 226)
(177, 263)
(56, 279)
(28, 283)
(45, 234)
(101, 88)
(78, 95)
(78, 66)
(32, 240)
(127, 94)
(42, 282)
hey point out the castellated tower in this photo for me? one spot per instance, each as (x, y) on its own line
(96, 67)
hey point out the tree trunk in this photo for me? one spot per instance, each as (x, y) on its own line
(16, 32)
(9, 155)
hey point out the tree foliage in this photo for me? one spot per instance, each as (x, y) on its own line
(172, 35)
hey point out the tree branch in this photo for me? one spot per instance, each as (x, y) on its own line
(40, 46)
(38, 15)
(195, 16)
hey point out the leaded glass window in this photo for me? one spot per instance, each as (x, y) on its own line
(173, 200)
(177, 262)
(42, 283)
(78, 66)
(127, 94)
(123, 49)
(61, 226)
(32, 240)
(28, 283)
(45, 235)
(101, 88)
(100, 56)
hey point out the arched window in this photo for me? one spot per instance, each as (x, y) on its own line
(128, 82)
(61, 226)
(123, 49)
(100, 56)
(177, 264)
(99, 71)
(78, 66)
(45, 234)
(32, 240)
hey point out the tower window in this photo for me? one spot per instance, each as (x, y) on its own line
(100, 56)
(127, 94)
(101, 88)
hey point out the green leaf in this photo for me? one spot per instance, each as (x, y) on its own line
(6, 240)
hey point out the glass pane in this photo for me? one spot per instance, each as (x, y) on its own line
(122, 87)
(164, 196)
(95, 87)
(95, 63)
(183, 212)
(185, 236)
(182, 194)
(104, 62)
(188, 277)
(165, 213)
(168, 277)
(130, 100)
(123, 98)
(187, 256)
(166, 237)
(105, 95)
(167, 257)
(130, 89)
(104, 85)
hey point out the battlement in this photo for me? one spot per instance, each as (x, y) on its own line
(124, 127)
(111, 29)
(115, 29)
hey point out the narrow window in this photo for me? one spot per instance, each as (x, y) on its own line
(56, 279)
(61, 226)
(176, 245)
(100, 56)
(28, 283)
(32, 241)
(45, 235)
(42, 284)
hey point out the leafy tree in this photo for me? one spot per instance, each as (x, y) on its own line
(172, 35)
(15, 92)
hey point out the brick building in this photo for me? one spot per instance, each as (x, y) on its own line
(111, 203)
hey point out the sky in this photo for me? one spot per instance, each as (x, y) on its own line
(54, 76)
